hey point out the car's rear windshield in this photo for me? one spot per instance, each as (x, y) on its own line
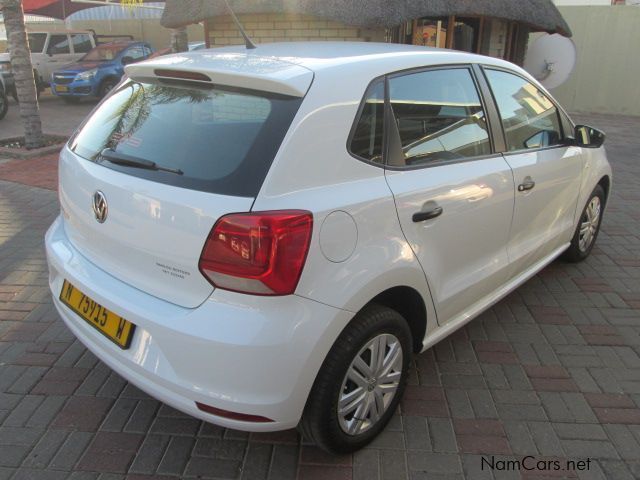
(216, 140)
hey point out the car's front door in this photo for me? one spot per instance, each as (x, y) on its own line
(58, 54)
(453, 194)
(546, 169)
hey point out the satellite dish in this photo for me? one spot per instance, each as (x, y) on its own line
(550, 59)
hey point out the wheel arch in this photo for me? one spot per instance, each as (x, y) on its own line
(605, 183)
(409, 303)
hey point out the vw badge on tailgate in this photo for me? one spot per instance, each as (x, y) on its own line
(99, 205)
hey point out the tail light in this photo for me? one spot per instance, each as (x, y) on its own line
(261, 253)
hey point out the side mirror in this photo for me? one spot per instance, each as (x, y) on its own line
(127, 60)
(589, 137)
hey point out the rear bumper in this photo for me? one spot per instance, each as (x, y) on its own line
(240, 353)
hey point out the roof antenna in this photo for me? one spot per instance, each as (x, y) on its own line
(247, 41)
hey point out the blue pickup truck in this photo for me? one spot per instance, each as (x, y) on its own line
(95, 74)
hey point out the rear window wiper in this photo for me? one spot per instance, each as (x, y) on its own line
(129, 161)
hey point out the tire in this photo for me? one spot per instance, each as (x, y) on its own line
(106, 87)
(321, 422)
(40, 85)
(4, 104)
(590, 219)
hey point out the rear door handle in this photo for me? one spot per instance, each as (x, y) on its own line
(427, 215)
(527, 184)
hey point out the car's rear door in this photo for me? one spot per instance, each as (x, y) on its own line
(453, 193)
(547, 169)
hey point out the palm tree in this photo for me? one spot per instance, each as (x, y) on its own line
(20, 55)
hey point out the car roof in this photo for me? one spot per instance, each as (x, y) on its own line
(288, 64)
(325, 55)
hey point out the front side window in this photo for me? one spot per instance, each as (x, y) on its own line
(529, 119)
(439, 116)
(366, 140)
(58, 44)
(209, 139)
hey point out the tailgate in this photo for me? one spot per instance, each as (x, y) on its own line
(153, 234)
(167, 161)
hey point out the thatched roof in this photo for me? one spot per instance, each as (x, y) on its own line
(539, 14)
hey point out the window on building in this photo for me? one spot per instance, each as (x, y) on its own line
(439, 116)
(466, 32)
(529, 119)
(494, 37)
(431, 32)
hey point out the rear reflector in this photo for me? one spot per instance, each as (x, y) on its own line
(243, 417)
(260, 253)
(182, 75)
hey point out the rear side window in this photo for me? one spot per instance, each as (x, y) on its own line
(58, 44)
(36, 41)
(439, 116)
(223, 141)
(81, 43)
(529, 119)
(366, 139)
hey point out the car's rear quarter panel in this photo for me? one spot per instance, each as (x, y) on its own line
(314, 171)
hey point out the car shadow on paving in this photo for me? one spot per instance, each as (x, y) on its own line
(552, 371)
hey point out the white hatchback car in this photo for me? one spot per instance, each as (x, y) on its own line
(262, 238)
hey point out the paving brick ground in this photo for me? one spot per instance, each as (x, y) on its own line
(551, 372)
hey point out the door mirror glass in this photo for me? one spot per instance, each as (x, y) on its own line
(589, 137)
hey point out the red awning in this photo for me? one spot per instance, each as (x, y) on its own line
(55, 8)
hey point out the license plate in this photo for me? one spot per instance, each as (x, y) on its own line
(112, 326)
(61, 89)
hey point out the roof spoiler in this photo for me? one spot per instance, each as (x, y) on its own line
(283, 79)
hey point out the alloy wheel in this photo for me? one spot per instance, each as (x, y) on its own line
(589, 224)
(370, 384)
